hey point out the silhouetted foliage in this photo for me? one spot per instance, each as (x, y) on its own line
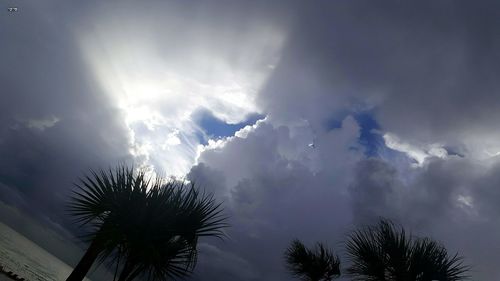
(148, 227)
(312, 265)
(386, 252)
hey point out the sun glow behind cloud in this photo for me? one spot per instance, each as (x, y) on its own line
(158, 87)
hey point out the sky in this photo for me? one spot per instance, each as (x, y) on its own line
(306, 118)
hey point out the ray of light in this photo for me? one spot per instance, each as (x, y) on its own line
(158, 86)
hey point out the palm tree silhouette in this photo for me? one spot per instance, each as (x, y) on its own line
(312, 265)
(148, 227)
(162, 237)
(386, 253)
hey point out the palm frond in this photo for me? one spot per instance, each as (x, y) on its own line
(387, 252)
(162, 234)
(314, 265)
(145, 226)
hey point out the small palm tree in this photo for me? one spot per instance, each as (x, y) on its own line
(386, 252)
(134, 220)
(312, 265)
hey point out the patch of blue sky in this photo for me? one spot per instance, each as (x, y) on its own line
(213, 128)
(371, 136)
(372, 143)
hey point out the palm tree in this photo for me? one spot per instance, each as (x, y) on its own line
(162, 238)
(386, 253)
(125, 210)
(312, 265)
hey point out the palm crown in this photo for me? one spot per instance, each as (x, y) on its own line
(312, 265)
(149, 227)
(386, 252)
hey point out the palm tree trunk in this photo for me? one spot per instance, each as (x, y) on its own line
(86, 262)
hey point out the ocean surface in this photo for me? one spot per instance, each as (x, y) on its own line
(27, 260)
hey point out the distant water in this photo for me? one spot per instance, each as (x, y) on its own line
(27, 260)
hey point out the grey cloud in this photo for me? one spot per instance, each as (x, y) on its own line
(55, 123)
(44, 74)
(374, 189)
(428, 69)
(215, 263)
(427, 72)
(432, 204)
(452, 200)
(273, 195)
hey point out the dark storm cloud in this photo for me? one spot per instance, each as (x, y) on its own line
(455, 201)
(428, 68)
(451, 200)
(55, 121)
(55, 124)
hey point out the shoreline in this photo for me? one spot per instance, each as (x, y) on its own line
(10, 275)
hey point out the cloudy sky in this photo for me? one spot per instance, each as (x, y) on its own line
(307, 118)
